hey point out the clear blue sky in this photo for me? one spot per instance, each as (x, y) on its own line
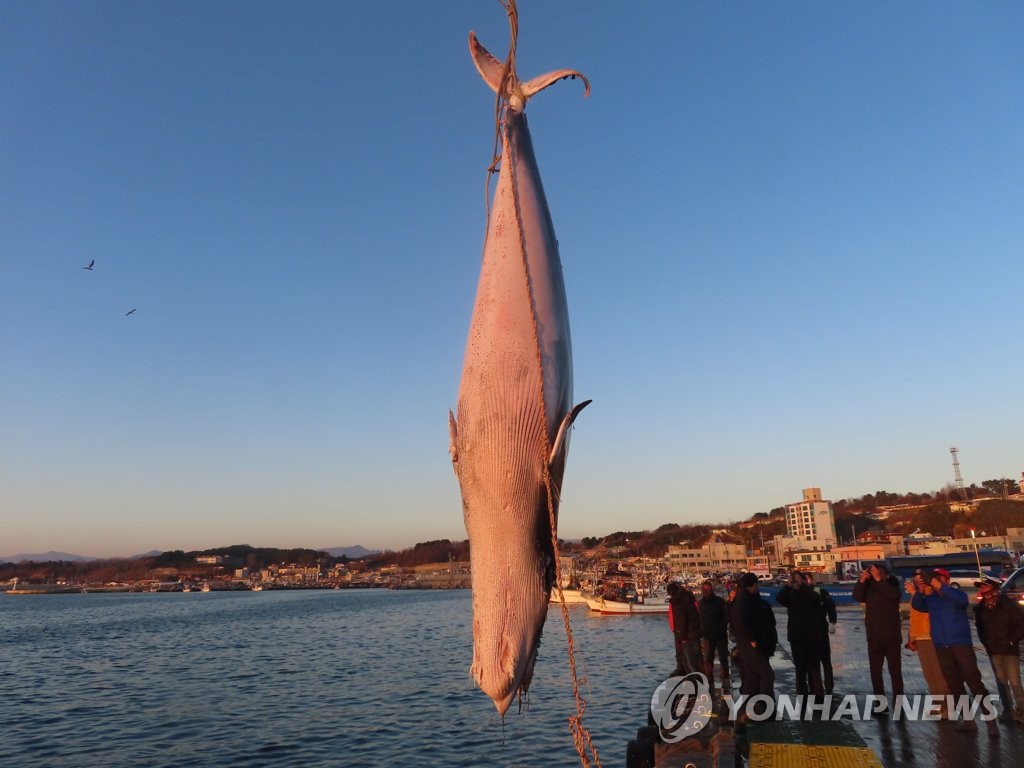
(792, 239)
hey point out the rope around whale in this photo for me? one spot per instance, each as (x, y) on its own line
(501, 99)
(581, 737)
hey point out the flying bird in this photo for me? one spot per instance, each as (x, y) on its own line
(129, 312)
(90, 265)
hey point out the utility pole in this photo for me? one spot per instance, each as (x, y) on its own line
(856, 548)
(956, 474)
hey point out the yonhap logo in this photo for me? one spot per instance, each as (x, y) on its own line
(681, 707)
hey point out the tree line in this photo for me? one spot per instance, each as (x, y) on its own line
(930, 512)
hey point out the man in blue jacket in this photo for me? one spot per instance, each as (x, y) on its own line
(951, 634)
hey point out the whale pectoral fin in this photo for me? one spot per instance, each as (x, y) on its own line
(539, 83)
(453, 437)
(563, 430)
(490, 68)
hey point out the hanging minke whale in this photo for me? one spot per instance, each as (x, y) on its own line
(510, 437)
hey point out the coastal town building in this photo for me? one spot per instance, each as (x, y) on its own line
(819, 560)
(851, 559)
(811, 520)
(883, 513)
(926, 544)
(759, 565)
(721, 552)
(810, 527)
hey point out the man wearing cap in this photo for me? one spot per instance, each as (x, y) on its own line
(1000, 623)
(951, 634)
(684, 621)
(880, 594)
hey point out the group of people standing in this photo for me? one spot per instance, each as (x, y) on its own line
(811, 620)
(812, 617)
(700, 630)
(939, 633)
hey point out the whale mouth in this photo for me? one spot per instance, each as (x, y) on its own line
(509, 672)
(506, 641)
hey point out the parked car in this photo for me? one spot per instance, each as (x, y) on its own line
(964, 579)
(1013, 587)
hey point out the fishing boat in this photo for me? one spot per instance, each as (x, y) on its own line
(571, 596)
(651, 605)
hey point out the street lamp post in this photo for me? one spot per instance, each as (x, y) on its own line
(977, 555)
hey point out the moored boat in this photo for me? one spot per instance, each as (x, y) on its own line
(624, 607)
(571, 596)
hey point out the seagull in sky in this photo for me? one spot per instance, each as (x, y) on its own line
(129, 312)
(90, 265)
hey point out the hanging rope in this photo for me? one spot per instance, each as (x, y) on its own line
(501, 100)
(580, 735)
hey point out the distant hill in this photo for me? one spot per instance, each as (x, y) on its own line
(46, 557)
(352, 553)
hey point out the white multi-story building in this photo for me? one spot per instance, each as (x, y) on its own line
(810, 526)
(811, 521)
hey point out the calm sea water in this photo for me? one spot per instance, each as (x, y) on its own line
(304, 678)
(356, 678)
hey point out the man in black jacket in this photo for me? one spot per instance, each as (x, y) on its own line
(1000, 623)
(806, 632)
(831, 619)
(684, 621)
(714, 626)
(880, 594)
(753, 623)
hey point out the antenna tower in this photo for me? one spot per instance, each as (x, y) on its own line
(956, 474)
